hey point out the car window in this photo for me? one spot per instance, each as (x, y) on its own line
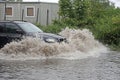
(29, 27)
(11, 28)
(2, 28)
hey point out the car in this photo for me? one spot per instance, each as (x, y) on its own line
(15, 30)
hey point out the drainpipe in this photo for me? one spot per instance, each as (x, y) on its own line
(22, 14)
(5, 12)
(37, 15)
(47, 21)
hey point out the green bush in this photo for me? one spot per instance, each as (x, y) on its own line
(53, 28)
(112, 37)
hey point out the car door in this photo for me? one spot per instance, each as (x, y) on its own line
(3, 35)
(12, 30)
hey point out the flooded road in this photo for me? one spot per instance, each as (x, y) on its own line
(104, 67)
(83, 58)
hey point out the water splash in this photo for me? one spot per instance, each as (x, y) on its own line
(81, 45)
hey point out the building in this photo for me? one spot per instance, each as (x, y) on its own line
(35, 12)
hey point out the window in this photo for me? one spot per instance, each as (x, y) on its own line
(28, 27)
(11, 28)
(9, 11)
(2, 28)
(30, 11)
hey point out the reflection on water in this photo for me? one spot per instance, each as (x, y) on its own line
(105, 67)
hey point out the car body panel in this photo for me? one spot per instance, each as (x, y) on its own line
(13, 30)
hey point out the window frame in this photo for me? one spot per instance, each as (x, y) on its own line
(27, 12)
(12, 11)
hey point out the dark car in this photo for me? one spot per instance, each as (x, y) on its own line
(14, 30)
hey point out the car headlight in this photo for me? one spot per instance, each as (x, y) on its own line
(50, 40)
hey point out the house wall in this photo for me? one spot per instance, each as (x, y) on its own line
(44, 12)
(25, 17)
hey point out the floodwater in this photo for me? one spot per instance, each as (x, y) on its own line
(83, 58)
(105, 67)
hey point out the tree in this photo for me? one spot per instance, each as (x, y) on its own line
(83, 12)
(100, 16)
(66, 10)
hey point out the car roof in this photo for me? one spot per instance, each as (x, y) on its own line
(15, 21)
(4, 21)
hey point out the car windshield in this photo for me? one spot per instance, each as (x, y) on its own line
(29, 27)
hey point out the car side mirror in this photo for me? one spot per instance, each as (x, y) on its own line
(19, 31)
